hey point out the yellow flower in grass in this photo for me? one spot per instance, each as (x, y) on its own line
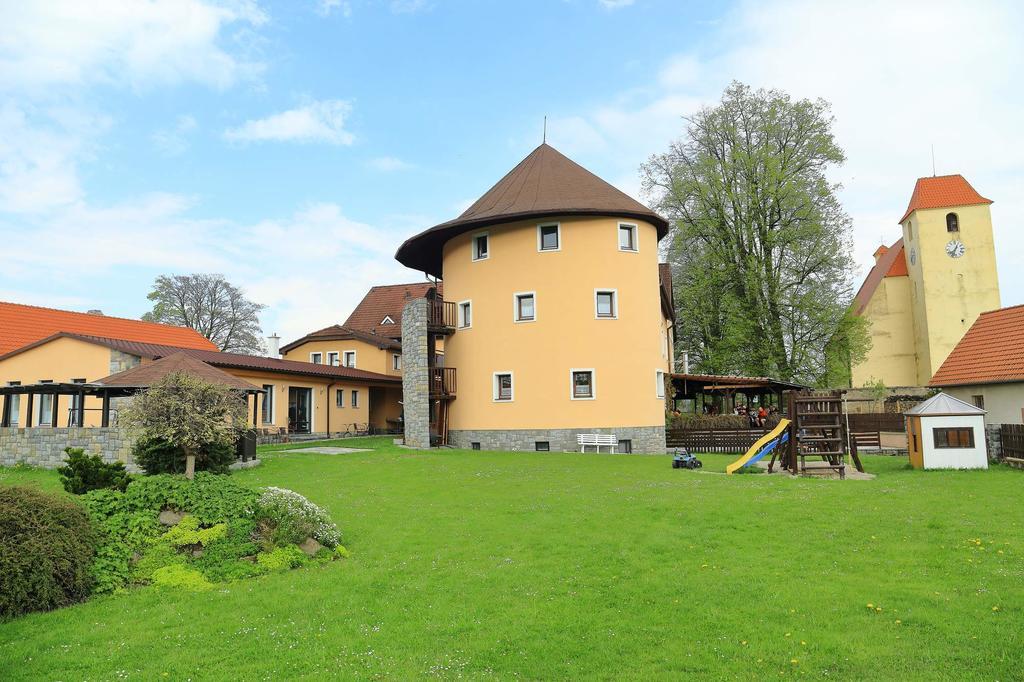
(870, 605)
(995, 608)
(793, 661)
(878, 609)
(898, 621)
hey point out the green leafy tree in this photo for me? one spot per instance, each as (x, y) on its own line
(212, 306)
(188, 412)
(760, 246)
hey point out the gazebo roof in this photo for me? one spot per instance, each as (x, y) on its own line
(144, 376)
(942, 405)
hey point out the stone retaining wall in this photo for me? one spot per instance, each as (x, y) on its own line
(44, 447)
(645, 439)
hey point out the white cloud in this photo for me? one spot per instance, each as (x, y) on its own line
(322, 121)
(326, 8)
(900, 76)
(408, 6)
(389, 163)
(173, 141)
(143, 44)
(615, 4)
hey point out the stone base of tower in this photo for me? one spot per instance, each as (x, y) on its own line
(643, 439)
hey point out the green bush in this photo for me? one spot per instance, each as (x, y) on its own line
(714, 421)
(158, 456)
(82, 473)
(47, 544)
(182, 577)
(282, 558)
(286, 517)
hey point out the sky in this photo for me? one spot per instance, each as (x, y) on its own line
(292, 146)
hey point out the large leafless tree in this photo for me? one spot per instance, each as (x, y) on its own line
(212, 306)
(760, 243)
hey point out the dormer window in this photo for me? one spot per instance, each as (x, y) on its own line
(952, 222)
(387, 320)
(481, 247)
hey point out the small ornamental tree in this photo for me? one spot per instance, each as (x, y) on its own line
(188, 412)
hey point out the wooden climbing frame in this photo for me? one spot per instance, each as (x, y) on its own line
(818, 432)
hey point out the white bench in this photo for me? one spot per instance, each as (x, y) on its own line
(596, 441)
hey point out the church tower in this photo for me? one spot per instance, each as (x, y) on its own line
(926, 290)
(951, 261)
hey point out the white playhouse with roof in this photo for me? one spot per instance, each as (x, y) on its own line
(946, 433)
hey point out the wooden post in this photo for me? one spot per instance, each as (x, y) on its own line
(54, 413)
(794, 430)
(5, 416)
(28, 416)
(256, 409)
(105, 419)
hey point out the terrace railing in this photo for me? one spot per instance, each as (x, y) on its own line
(443, 382)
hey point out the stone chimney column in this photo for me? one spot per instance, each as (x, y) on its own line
(415, 374)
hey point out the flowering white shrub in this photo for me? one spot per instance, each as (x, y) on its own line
(296, 518)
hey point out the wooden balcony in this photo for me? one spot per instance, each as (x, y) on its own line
(442, 383)
(441, 316)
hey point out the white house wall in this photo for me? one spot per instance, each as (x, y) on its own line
(954, 458)
(1004, 402)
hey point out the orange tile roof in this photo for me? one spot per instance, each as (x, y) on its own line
(21, 325)
(991, 352)
(891, 263)
(386, 301)
(942, 191)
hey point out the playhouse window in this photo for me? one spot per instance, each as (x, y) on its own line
(953, 438)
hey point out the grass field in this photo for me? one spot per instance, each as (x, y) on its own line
(538, 565)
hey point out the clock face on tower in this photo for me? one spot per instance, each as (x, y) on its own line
(955, 248)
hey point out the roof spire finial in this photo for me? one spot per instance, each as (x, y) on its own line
(544, 138)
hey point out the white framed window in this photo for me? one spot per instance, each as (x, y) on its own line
(503, 389)
(316, 358)
(396, 361)
(355, 398)
(606, 304)
(628, 237)
(267, 412)
(44, 408)
(549, 237)
(659, 383)
(581, 384)
(524, 306)
(332, 358)
(350, 358)
(481, 246)
(465, 311)
(339, 398)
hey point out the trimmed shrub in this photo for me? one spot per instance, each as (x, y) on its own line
(286, 517)
(47, 544)
(158, 456)
(82, 473)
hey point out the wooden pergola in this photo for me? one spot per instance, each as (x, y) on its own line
(57, 389)
(719, 391)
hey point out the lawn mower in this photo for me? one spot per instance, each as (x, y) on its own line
(684, 460)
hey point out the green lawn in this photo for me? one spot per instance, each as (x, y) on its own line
(477, 564)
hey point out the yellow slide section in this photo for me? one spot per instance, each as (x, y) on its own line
(756, 447)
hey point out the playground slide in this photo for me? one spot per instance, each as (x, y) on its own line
(764, 445)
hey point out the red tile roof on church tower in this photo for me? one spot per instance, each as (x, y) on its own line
(892, 262)
(942, 191)
(21, 325)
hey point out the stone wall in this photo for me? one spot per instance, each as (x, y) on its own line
(120, 361)
(44, 447)
(994, 442)
(415, 374)
(645, 439)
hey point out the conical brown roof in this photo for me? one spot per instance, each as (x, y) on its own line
(545, 183)
(146, 375)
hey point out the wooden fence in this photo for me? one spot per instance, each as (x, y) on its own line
(1012, 439)
(876, 421)
(717, 440)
